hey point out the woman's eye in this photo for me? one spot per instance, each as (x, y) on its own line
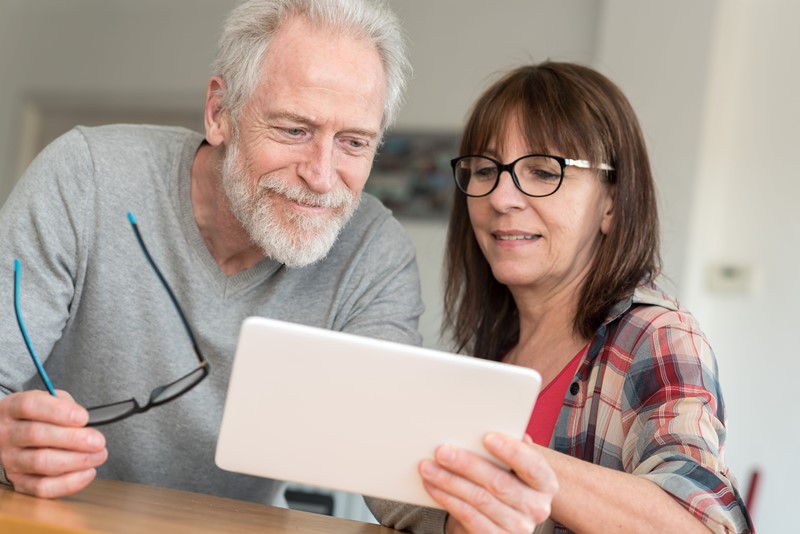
(537, 172)
(546, 175)
(485, 173)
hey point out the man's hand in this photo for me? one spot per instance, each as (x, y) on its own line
(45, 447)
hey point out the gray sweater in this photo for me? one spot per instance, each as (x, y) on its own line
(105, 327)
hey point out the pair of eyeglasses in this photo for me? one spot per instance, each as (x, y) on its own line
(110, 413)
(535, 175)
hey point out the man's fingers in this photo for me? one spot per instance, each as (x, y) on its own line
(46, 448)
(52, 487)
(28, 434)
(41, 406)
(52, 462)
(62, 394)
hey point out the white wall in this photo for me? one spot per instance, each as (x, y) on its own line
(146, 53)
(716, 89)
(713, 81)
(746, 215)
(659, 53)
(457, 48)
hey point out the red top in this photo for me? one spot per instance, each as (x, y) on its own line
(549, 402)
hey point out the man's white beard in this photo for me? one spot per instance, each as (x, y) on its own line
(291, 238)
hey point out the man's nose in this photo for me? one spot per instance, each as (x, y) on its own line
(317, 167)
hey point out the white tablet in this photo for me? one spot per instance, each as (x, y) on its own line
(345, 412)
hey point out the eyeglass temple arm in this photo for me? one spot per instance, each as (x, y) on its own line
(583, 164)
(164, 283)
(28, 344)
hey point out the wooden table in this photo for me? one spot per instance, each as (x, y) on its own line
(121, 507)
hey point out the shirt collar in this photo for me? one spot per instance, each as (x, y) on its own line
(646, 293)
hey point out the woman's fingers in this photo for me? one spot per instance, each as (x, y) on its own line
(526, 462)
(469, 519)
(481, 495)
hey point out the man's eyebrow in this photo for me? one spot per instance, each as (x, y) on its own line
(297, 118)
(288, 115)
(371, 134)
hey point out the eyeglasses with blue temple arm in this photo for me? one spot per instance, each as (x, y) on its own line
(110, 413)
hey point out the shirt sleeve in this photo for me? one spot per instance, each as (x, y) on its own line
(677, 431)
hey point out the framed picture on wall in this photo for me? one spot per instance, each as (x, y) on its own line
(411, 174)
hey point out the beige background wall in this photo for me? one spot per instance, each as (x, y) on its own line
(714, 83)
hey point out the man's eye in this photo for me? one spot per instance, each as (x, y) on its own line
(294, 131)
(355, 143)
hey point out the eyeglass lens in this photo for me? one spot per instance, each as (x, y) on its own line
(119, 410)
(109, 413)
(537, 176)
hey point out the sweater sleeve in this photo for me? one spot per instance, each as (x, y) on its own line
(42, 224)
(407, 517)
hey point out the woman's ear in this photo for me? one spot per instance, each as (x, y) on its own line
(217, 118)
(608, 209)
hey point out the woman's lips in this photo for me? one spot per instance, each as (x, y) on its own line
(514, 235)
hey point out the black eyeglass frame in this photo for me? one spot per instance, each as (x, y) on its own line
(509, 167)
(157, 395)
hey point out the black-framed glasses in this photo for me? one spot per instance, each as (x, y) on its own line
(535, 175)
(110, 413)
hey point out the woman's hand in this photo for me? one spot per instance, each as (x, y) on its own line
(482, 497)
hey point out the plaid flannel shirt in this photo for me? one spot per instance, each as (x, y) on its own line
(646, 400)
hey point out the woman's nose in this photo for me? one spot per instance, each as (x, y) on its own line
(506, 194)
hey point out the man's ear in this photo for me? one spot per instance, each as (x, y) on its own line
(217, 118)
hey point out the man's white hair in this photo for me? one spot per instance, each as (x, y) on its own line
(251, 26)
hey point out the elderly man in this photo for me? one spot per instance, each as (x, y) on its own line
(262, 216)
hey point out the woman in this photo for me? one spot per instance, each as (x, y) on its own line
(551, 259)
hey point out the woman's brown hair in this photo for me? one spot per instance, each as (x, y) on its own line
(583, 115)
